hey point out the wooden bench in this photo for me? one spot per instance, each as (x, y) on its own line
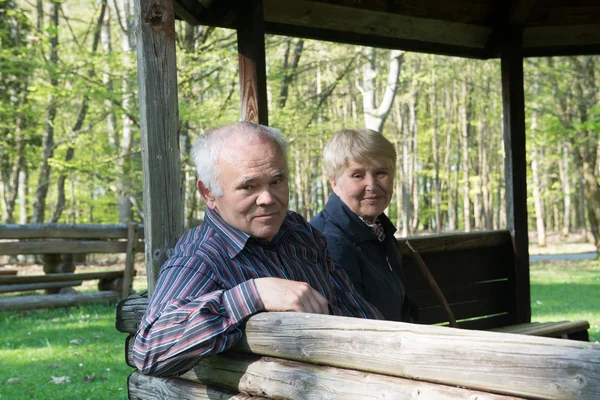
(55, 240)
(475, 272)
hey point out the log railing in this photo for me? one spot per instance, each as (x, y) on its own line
(298, 355)
(52, 242)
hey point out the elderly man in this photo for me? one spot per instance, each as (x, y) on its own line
(251, 254)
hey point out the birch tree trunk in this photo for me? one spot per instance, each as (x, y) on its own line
(374, 115)
(537, 192)
(435, 153)
(466, 121)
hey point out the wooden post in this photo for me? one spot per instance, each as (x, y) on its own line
(129, 272)
(513, 102)
(159, 125)
(251, 52)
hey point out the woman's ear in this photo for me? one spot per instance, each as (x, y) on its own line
(207, 195)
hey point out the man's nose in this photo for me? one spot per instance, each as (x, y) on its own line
(265, 197)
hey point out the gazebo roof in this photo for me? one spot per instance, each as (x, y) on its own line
(466, 28)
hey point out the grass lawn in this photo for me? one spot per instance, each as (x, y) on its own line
(562, 290)
(76, 353)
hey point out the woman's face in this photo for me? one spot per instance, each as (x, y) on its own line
(365, 187)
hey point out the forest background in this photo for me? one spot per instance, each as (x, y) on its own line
(69, 126)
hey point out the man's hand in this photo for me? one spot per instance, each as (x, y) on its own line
(285, 295)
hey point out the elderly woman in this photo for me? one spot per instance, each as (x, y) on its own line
(360, 164)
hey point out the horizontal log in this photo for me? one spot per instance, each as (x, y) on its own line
(66, 231)
(25, 287)
(283, 379)
(517, 365)
(8, 280)
(56, 300)
(62, 247)
(4, 272)
(142, 387)
(454, 241)
(130, 312)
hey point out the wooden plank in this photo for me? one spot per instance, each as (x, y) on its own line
(460, 268)
(518, 365)
(276, 379)
(4, 272)
(26, 287)
(464, 310)
(130, 311)
(561, 40)
(159, 126)
(346, 19)
(513, 104)
(454, 241)
(56, 300)
(8, 280)
(143, 387)
(63, 231)
(461, 293)
(548, 329)
(251, 57)
(129, 260)
(62, 247)
(488, 322)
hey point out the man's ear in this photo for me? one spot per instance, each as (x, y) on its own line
(207, 195)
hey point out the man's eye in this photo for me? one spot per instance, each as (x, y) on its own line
(276, 182)
(248, 188)
(357, 176)
(382, 173)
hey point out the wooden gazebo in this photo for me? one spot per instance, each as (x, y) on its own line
(482, 29)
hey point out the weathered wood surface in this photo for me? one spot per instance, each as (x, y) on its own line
(62, 247)
(159, 127)
(518, 365)
(8, 280)
(142, 387)
(251, 59)
(281, 379)
(64, 231)
(5, 272)
(515, 165)
(453, 241)
(130, 312)
(56, 300)
(128, 274)
(548, 329)
(25, 287)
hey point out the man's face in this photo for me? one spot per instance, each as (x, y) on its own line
(253, 176)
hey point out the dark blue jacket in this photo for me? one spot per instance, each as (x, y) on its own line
(374, 267)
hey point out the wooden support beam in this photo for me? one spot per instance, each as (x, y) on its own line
(63, 231)
(159, 126)
(276, 378)
(515, 166)
(143, 387)
(26, 287)
(517, 365)
(251, 52)
(56, 300)
(63, 277)
(62, 247)
(129, 271)
(454, 241)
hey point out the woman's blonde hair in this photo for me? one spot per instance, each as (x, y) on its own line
(356, 144)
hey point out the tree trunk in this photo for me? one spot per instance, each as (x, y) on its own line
(39, 205)
(465, 112)
(435, 153)
(537, 191)
(565, 180)
(374, 115)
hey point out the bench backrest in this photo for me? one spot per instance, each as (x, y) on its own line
(475, 272)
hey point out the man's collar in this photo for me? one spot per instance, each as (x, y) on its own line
(235, 239)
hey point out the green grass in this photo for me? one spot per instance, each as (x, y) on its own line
(36, 345)
(567, 291)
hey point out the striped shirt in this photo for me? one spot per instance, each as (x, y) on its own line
(206, 290)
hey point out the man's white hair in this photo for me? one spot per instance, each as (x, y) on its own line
(207, 148)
